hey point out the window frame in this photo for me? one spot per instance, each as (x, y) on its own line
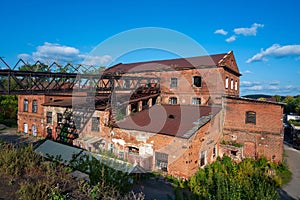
(200, 77)
(231, 84)
(250, 117)
(173, 82)
(34, 106)
(226, 82)
(172, 99)
(95, 126)
(195, 100)
(49, 118)
(25, 105)
(203, 160)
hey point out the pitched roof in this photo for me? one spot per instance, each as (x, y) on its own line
(175, 120)
(174, 64)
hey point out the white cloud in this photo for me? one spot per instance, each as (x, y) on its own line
(248, 72)
(231, 39)
(276, 51)
(96, 60)
(54, 51)
(50, 52)
(24, 56)
(256, 88)
(221, 31)
(248, 31)
(249, 83)
(274, 83)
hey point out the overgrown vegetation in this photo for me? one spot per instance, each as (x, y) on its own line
(294, 122)
(36, 178)
(231, 143)
(292, 104)
(8, 110)
(225, 179)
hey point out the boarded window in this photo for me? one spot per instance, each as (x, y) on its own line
(197, 81)
(34, 106)
(173, 83)
(231, 84)
(161, 161)
(250, 117)
(236, 85)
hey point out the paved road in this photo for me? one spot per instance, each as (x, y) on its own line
(292, 189)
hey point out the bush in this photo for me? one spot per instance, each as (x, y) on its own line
(249, 179)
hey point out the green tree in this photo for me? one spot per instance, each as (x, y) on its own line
(277, 97)
(8, 109)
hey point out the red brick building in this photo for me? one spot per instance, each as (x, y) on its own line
(185, 121)
(257, 125)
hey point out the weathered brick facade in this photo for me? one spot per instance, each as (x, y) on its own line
(33, 120)
(264, 136)
(200, 83)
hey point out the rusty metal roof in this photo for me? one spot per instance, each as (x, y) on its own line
(175, 120)
(172, 64)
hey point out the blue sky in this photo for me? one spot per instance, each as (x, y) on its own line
(264, 35)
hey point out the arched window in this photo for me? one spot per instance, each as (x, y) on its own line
(250, 117)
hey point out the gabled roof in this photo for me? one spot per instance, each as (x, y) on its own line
(199, 62)
(175, 120)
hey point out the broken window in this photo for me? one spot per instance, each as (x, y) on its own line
(203, 158)
(250, 117)
(133, 150)
(172, 100)
(196, 101)
(173, 83)
(197, 81)
(49, 117)
(59, 118)
(214, 151)
(161, 161)
(96, 124)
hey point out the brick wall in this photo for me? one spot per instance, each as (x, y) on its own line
(30, 118)
(265, 137)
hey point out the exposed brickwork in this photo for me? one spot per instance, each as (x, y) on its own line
(29, 118)
(265, 137)
(218, 78)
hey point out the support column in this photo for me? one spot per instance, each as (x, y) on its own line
(128, 109)
(140, 106)
(150, 102)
